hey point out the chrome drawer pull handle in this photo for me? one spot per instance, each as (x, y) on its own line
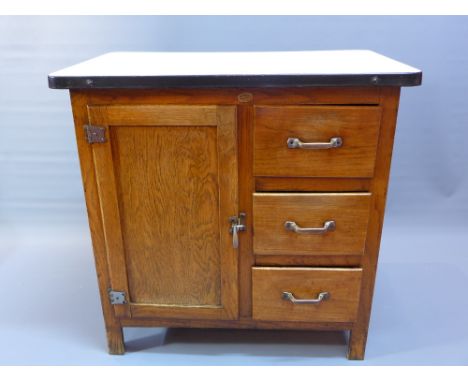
(328, 226)
(296, 143)
(321, 297)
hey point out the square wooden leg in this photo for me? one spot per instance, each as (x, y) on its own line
(357, 344)
(115, 341)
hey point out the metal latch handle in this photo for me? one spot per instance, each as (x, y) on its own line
(237, 224)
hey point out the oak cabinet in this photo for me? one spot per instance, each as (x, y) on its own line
(234, 197)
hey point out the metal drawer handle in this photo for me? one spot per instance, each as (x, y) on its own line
(321, 297)
(328, 226)
(296, 143)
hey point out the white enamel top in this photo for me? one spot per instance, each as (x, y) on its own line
(346, 62)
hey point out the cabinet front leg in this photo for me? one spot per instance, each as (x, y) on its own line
(357, 344)
(115, 340)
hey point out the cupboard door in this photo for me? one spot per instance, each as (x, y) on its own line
(167, 182)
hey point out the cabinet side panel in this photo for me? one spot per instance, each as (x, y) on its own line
(389, 102)
(167, 180)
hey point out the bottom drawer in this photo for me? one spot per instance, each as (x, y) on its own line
(305, 294)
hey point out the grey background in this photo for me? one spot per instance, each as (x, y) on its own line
(50, 310)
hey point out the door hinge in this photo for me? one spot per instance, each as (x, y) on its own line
(95, 134)
(117, 297)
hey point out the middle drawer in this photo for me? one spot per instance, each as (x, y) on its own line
(310, 223)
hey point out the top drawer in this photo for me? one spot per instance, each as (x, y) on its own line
(350, 154)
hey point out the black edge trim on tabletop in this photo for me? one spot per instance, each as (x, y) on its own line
(154, 82)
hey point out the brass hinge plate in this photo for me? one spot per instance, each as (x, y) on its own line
(95, 134)
(117, 297)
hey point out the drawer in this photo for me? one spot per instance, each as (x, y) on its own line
(356, 126)
(282, 223)
(306, 294)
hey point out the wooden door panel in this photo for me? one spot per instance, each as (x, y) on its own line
(170, 208)
(168, 192)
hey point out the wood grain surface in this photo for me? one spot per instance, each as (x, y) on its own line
(357, 126)
(241, 323)
(278, 184)
(167, 180)
(343, 286)
(389, 101)
(178, 155)
(160, 115)
(309, 260)
(229, 96)
(310, 210)
(246, 188)
(109, 205)
(114, 332)
(167, 228)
